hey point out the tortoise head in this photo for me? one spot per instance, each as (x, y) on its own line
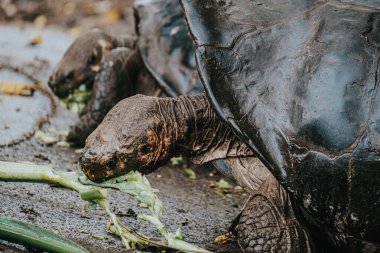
(129, 138)
(80, 63)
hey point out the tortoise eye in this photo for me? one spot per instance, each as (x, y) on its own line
(111, 163)
(92, 60)
(69, 77)
(144, 149)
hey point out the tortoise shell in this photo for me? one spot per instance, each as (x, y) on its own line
(298, 81)
(166, 46)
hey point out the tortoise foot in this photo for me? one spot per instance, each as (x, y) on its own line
(264, 227)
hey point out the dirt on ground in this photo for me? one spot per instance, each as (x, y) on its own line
(203, 212)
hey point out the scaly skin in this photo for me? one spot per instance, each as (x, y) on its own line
(81, 62)
(117, 79)
(268, 222)
(143, 133)
(112, 66)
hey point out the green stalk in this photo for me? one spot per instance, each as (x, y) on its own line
(125, 238)
(39, 238)
(125, 230)
(45, 174)
(133, 183)
(154, 220)
(139, 187)
(17, 172)
(27, 172)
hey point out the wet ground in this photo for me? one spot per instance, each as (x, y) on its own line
(203, 213)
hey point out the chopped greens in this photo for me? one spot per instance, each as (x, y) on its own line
(190, 173)
(177, 161)
(223, 185)
(133, 183)
(78, 99)
(139, 187)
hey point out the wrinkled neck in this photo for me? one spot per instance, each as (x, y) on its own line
(200, 134)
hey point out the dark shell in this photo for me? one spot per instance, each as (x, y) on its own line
(166, 46)
(298, 81)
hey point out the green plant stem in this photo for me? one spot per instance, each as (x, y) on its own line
(125, 238)
(40, 173)
(45, 174)
(36, 237)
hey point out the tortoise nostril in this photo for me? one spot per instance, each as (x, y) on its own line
(51, 82)
(82, 160)
(69, 77)
(85, 158)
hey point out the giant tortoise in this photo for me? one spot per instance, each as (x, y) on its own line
(159, 62)
(293, 82)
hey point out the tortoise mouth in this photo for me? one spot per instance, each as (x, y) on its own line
(101, 170)
(75, 99)
(58, 91)
(68, 88)
(96, 175)
(100, 173)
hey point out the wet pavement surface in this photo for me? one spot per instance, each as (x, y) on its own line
(27, 64)
(203, 213)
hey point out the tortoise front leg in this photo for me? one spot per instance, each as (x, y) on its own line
(268, 222)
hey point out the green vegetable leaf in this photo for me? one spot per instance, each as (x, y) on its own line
(190, 173)
(133, 183)
(222, 184)
(177, 161)
(136, 185)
